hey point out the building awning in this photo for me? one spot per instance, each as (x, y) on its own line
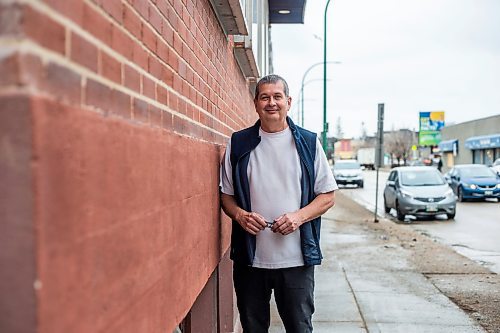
(483, 141)
(448, 145)
(294, 10)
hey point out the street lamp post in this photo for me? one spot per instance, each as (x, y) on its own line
(303, 84)
(325, 124)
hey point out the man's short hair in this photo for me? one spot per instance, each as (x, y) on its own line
(271, 79)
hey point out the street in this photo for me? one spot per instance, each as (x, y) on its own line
(473, 233)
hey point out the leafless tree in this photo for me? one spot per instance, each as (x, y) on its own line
(398, 144)
(339, 133)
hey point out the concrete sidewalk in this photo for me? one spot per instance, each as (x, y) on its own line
(366, 284)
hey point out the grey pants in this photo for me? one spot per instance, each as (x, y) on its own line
(293, 293)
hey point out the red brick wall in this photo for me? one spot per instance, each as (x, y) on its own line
(114, 114)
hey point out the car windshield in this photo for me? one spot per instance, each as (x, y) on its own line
(421, 178)
(477, 172)
(342, 166)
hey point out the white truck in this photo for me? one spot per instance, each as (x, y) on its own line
(366, 157)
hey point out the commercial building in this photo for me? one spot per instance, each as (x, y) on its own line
(476, 141)
(113, 119)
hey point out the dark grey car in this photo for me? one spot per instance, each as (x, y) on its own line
(420, 191)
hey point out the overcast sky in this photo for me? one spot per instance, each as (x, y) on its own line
(419, 55)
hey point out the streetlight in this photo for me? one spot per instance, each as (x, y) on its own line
(301, 98)
(303, 84)
(325, 124)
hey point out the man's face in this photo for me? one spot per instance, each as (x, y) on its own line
(272, 106)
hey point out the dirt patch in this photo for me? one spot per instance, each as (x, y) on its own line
(474, 288)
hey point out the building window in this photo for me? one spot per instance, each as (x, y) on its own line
(477, 156)
(488, 157)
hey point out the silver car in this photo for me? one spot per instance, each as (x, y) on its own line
(420, 191)
(348, 172)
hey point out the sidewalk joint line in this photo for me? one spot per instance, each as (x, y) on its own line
(356, 300)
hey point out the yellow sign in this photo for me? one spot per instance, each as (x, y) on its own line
(413, 147)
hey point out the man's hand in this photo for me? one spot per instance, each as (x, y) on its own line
(251, 222)
(287, 223)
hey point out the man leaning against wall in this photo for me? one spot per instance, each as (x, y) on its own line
(275, 183)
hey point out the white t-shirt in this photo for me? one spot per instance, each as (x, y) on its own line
(274, 175)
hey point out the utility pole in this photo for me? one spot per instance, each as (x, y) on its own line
(379, 152)
(325, 123)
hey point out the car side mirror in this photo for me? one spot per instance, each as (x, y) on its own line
(391, 183)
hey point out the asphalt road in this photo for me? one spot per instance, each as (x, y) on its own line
(474, 233)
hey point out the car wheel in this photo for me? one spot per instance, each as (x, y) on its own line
(399, 213)
(451, 216)
(460, 194)
(361, 184)
(386, 209)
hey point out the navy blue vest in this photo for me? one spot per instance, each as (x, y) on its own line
(242, 143)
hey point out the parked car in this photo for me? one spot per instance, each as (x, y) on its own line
(420, 191)
(474, 181)
(496, 166)
(348, 172)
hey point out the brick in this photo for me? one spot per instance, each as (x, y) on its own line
(10, 19)
(162, 50)
(10, 68)
(189, 111)
(140, 56)
(167, 121)
(177, 44)
(132, 21)
(162, 94)
(96, 24)
(178, 7)
(148, 87)
(140, 111)
(185, 88)
(132, 79)
(173, 101)
(83, 52)
(155, 18)
(72, 9)
(149, 37)
(177, 83)
(141, 6)
(182, 106)
(114, 9)
(180, 125)
(168, 34)
(154, 66)
(163, 6)
(122, 43)
(155, 115)
(167, 76)
(173, 18)
(43, 30)
(121, 104)
(98, 95)
(62, 83)
(110, 68)
(173, 61)
(182, 31)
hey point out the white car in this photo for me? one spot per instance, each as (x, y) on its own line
(348, 172)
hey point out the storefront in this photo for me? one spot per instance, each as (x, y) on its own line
(485, 148)
(449, 150)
